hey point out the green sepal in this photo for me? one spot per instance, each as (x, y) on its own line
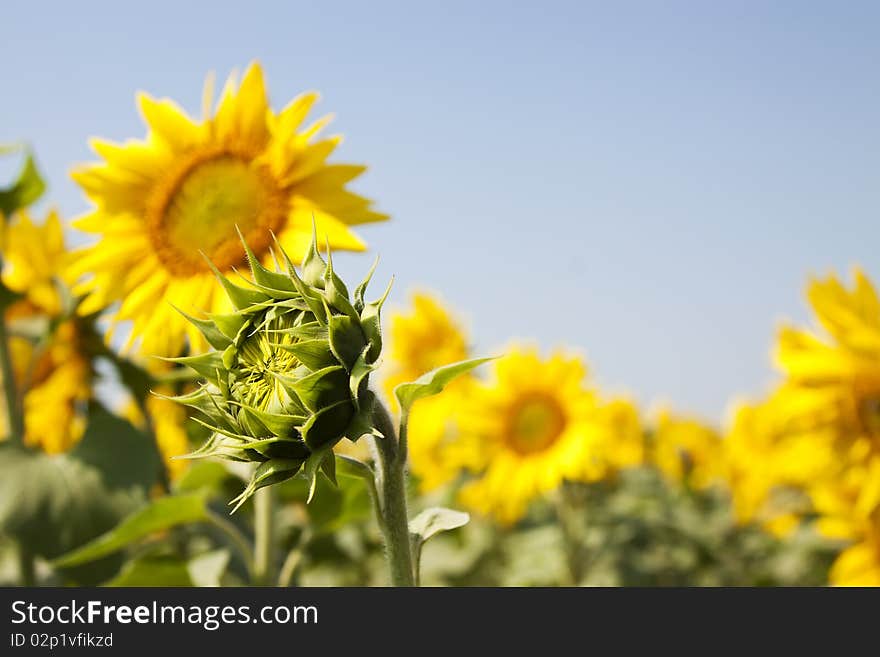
(281, 448)
(313, 300)
(263, 277)
(359, 376)
(322, 388)
(206, 364)
(208, 329)
(336, 293)
(305, 332)
(328, 467)
(283, 426)
(314, 354)
(313, 265)
(266, 474)
(312, 466)
(240, 297)
(371, 324)
(229, 355)
(328, 425)
(346, 340)
(362, 423)
(361, 290)
(229, 324)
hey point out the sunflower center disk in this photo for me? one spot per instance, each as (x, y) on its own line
(260, 358)
(199, 205)
(535, 424)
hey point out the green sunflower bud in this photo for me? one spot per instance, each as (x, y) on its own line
(288, 376)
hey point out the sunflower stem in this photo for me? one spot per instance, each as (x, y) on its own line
(391, 484)
(238, 539)
(12, 408)
(569, 512)
(264, 543)
(26, 567)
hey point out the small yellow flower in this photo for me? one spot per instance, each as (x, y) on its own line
(534, 425)
(164, 203)
(687, 451)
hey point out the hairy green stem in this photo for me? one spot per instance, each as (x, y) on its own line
(569, 512)
(391, 484)
(294, 557)
(264, 530)
(14, 415)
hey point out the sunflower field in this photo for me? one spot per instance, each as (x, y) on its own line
(193, 396)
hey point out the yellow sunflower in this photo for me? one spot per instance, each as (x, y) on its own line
(687, 451)
(833, 382)
(849, 509)
(535, 424)
(421, 340)
(162, 202)
(53, 373)
(768, 466)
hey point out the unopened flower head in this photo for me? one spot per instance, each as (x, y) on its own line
(288, 375)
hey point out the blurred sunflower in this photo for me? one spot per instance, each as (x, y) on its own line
(421, 340)
(686, 451)
(834, 383)
(532, 426)
(183, 191)
(849, 509)
(46, 344)
(768, 467)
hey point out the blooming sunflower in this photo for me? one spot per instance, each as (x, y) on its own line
(768, 466)
(535, 424)
(421, 340)
(849, 509)
(686, 450)
(53, 372)
(185, 191)
(834, 382)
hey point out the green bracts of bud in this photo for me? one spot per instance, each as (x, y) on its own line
(287, 378)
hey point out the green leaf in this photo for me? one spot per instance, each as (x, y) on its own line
(153, 570)
(435, 520)
(164, 513)
(54, 504)
(107, 438)
(433, 382)
(202, 475)
(27, 188)
(429, 523)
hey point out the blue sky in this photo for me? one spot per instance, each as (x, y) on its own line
(649, 183)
